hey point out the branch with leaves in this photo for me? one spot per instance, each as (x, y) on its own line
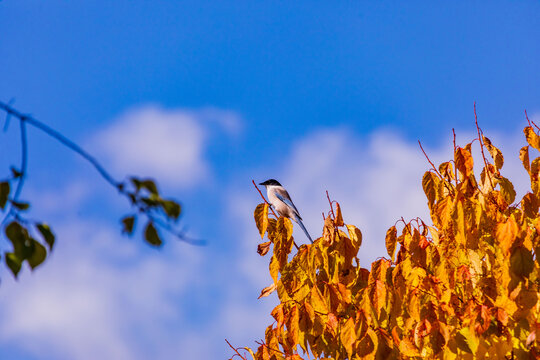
(465, 287)
(159, 213)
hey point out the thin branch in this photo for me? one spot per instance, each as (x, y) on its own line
(529, 121)
(262, 196)
(120, 186)
(22, 170)
(427, 157)
(64, 140)
(235, 350)
(177, 233)
(270, 207)
(331, 205)
(455, 148)
(482, 146)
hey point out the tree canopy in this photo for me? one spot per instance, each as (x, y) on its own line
(464, 286)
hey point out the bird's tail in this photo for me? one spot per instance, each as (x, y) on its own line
(299, 222)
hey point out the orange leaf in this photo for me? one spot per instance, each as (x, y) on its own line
(532, 138)
(391, 241)
(429, 184)
(524, 157)
(277, 314)
(267, 290)
(495, 153)
(355, 235)
(332, 322)
(262, 249)
(339, 216)
(348, 336)
(464, 161)
(507, 233)
(261, 218)
(317, 301)
(292, 326)
(274, 268)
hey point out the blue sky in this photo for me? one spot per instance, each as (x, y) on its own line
(206, 97)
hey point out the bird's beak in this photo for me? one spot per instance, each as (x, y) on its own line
(261, 183)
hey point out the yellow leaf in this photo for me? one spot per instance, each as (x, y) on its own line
(355, 235)
(261, 218)
(467, 340)
(274, 268)
(277, 314)
(535, 176)
(444, 212)
(348, 336)
(407, 348)
(495, 153)
(524, 157)
(368, 345)
(530, 205)
(507, 190)
(507, 233)
(262, 249)
(464, 161)
(292, 326)
(267, 290)
(377, 293)
(391, 241)
(317, 301)
(429, 184)
(310, 311)
(339, 216)
(532, 138)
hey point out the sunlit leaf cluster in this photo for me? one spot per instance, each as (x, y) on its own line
(465, 286)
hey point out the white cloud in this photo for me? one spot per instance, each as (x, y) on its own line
(99, 297)
(168, 144)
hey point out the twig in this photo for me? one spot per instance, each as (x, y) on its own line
(432, 166)
(331, 205)
(436, 171)
(455, 148)
(22, 171)
(235, 350)
(262, 196)
(272, 349)
(65, 141)
(482, 146)
(529, 121)
(270, 206)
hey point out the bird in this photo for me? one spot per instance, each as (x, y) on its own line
(281, 201)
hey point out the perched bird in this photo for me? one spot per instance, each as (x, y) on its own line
(281, 201)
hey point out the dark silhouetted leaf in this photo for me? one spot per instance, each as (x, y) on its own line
(18, 236)
(128, 223)
(171, 208)
(150, 185)
(13, 263)
(47, 234)
(151, 235)
(20, 205)
(38, 254)
(4, 193)
(16, 173)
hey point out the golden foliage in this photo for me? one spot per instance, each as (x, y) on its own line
(465, 287)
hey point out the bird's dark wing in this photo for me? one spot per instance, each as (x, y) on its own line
(283, 195)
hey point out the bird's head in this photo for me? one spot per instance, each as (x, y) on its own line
(270, 182)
